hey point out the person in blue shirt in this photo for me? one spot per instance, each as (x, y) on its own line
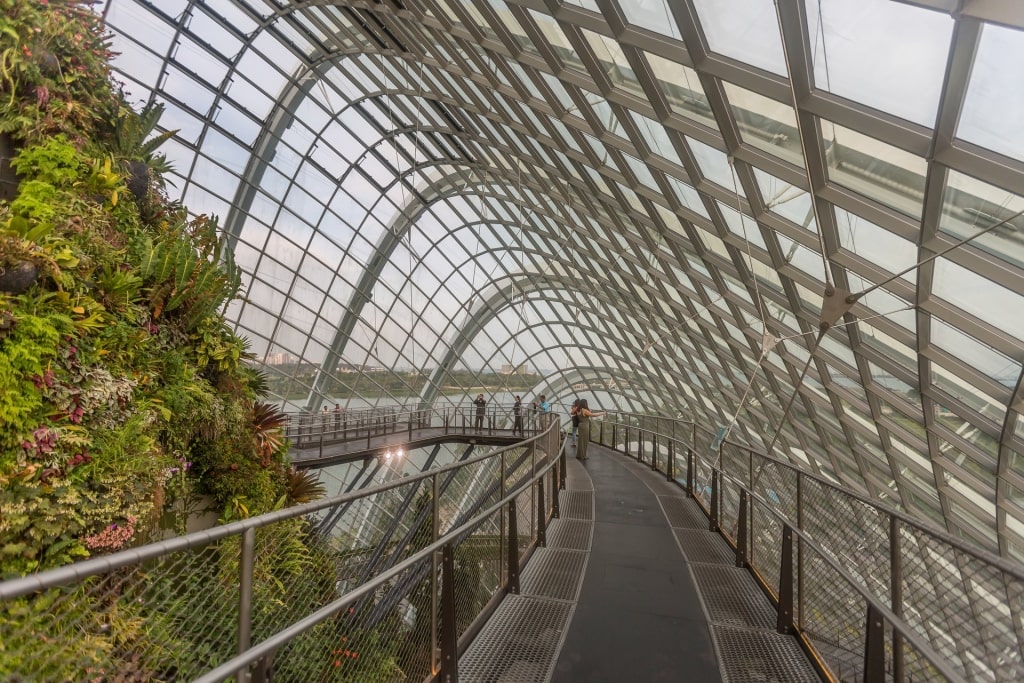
(545, 411)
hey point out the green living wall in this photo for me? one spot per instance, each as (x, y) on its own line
(122, 390)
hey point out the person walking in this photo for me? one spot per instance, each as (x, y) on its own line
(481, 410)
(517, 415)
(585, 413)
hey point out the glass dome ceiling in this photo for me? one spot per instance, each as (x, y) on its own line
(801, 223)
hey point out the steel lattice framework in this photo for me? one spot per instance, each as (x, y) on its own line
(798, 220)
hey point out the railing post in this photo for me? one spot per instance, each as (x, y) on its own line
(410, 427)
(689, 472)
(542, 538)
(784, 621)
(874, 647)
(247, 560)
(513, 549)
(614, 440)
(639, 445)
(670, 466)
(896, 589)
(435, 602)
(799, 619)
(446, 418)
(449, 630)
(741, 531)
(713, 520)
(654, 452)
(601, 432)
(555, 511)
(561, 468)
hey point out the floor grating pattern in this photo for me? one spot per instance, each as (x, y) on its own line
(757, 656)
(570, 534)
(732, 597)
(705, 546)
(519, 644)
(577, 505)
(553, 573)
(683, 512)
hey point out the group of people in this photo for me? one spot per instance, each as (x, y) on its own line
(580, 413)
(543, 408)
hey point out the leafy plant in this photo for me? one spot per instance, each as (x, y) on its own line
(303, 486)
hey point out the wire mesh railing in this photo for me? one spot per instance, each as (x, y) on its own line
(876, 594)
(328, 428)
(388, 589)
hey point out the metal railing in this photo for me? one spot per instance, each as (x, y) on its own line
(401, 578)
(317, 430)
(873, 593)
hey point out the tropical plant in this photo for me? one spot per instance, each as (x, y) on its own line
(303, 486)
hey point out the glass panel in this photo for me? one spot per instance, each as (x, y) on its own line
(653, 15)
(746, 30)
(681, 87)
(887, 55)
(877, 170)
(970, 205)
(765, 123)
(993, 114)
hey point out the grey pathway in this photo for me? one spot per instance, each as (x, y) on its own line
(639, 616)
(632, 587)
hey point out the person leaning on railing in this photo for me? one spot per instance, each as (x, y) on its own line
(584, 412)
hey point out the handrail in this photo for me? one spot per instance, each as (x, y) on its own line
(268, 646)
(284, 575)
(960, 585)
(59, 576)
(907, 631)
(1003, 563)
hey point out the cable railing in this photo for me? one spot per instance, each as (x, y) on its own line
(393, 589)
(873, 593)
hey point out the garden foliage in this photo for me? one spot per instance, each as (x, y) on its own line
(123, 392)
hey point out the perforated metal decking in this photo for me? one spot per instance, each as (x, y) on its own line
(632, 586)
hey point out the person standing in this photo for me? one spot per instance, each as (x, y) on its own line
(481, 410)
(575, 413)
(337, 418)
(517, 415)
(585, 413)
(545, 411)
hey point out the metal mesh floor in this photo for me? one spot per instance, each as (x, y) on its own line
(732, 597)
(705, 546)
(577, 505)
(554, 573)
(683, 512)
(570, 534)
(758, 656)
(519, 644)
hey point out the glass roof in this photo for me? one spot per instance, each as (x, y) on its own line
(666, 205)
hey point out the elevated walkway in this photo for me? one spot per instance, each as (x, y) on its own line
(632, 586)
(337, 449)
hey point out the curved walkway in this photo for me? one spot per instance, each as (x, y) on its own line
(632, 587)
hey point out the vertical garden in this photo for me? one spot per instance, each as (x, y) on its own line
(124, 395)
